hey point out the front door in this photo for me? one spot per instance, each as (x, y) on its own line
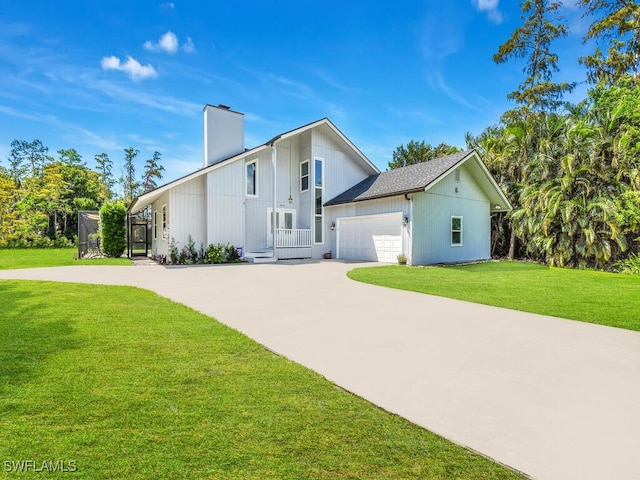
(285, 218)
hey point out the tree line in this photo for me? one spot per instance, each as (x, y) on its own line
(571, 171)
(40, 194)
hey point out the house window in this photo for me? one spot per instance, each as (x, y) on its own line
(155, 225)
(456, 231)
(252, 179)
(164, 221)
(304, 176)
(317, 178)
(456, 175)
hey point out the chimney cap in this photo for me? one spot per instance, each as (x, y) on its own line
(223, 106)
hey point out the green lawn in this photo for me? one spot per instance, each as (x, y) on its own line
(128, 384)
(588, 296)
(49, 257)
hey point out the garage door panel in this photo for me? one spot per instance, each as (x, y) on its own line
(376, 238)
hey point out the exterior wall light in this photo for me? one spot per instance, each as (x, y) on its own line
(333, 226)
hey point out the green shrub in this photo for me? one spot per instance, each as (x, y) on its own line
(192, 252)
(215, 254)
(231, 254)
(35, 241)
(173, 251)
(201, 254)
(113, 228)
(630, 265)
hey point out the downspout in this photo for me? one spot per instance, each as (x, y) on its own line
(274, 154)
(409, 230)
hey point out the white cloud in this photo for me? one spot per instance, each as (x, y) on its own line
(167, 42)
(188, 46)
(136, 96)
(131, 67)
(169, 5)
(437, 81)
(484, 5)
(491, 7)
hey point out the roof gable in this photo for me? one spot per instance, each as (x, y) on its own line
(412, 178)
(147, 198)
(421, 177)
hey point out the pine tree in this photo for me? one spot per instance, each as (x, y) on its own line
(27, 158)
(130, 185)
(152, 171)
(617, 28)
(542, 25)
(104, 167)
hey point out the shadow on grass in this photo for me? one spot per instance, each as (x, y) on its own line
(28, 338)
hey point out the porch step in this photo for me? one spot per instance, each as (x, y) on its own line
(264, 255)
(262, 259)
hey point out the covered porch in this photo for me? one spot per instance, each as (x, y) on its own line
(290, 243)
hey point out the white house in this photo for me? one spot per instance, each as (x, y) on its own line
(327, 197)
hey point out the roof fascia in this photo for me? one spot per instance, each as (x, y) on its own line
(336, 130)
(351, 145)
(376, 197)
(147, 198)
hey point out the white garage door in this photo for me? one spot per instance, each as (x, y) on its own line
(376, 238)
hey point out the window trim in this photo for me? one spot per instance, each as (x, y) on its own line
(456, 175)
(461, 231)
(321, 214)
(255, 178)
(308, 176)
(163, 211)
(156, 214)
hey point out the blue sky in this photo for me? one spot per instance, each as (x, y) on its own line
(100, 76)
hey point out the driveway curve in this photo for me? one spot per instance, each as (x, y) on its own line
(553, 398)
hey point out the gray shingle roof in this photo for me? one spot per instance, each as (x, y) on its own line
(412, 178)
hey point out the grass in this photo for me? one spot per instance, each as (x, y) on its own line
(128, 384)
(585, 295)
(49, 257)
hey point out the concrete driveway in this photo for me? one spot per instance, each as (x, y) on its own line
(554, 398)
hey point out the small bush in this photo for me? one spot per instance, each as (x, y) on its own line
(231, 254)
(215, 254)
(113, 229)
(173, 252)
(212, 254)
(402, 259)
(32, 241)
(192, 252)
(630, 265)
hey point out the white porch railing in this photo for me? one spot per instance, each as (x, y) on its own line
(293, 237)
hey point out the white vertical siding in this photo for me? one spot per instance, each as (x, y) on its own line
(305, 214)
(187, 207)
(432, 212)
(341, 172)
(256, 207)
(224, 204)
